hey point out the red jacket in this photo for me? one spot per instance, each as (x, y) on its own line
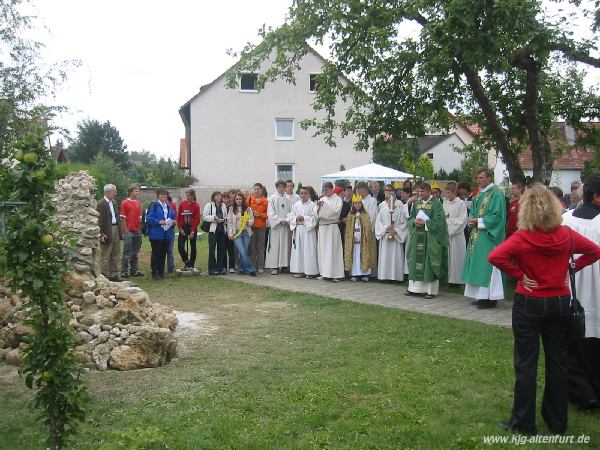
(543, 257)
(512, 218)
(194, 208)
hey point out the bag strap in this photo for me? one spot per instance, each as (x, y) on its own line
(572, 268)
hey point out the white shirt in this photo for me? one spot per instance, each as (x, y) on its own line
(112, 211)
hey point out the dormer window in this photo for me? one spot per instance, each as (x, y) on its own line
(248, 82)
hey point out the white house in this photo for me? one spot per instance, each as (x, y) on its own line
(242, 136)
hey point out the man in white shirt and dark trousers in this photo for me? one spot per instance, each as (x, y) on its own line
(110, 234)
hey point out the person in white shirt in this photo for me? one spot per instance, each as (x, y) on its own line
(456, 218)
(289, 190)
(330, 252)
(303, 222)
(278, 248)
(391, 231)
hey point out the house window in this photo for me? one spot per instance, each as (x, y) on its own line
(430, 155)
(284, 172)
(284, 129)
(248, 82)
(313, 83)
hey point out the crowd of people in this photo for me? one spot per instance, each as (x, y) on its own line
(479, 240)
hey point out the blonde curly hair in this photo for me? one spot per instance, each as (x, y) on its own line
(539, 209)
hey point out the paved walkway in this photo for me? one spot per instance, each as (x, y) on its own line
(387, 295)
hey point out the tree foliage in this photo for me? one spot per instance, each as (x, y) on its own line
(507, 65)
(24, 78)
(33, 255)
(94, 138)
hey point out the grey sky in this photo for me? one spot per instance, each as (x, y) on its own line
(141, 60)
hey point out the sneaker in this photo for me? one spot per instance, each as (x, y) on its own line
(320, 277)
(335, 280)
(310, 277)
(353, 279)
(260, 271)
(124, 275)
(223, 272)
(298, 275)
(231, 270)
(365, 279)
(137, 274)
(274, 272)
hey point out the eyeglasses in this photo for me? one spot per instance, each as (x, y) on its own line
(389, 190)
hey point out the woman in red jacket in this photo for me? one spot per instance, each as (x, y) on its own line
(538, 256)
(188, 218)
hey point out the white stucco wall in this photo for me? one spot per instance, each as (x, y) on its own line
(444, 156)
(561, 178)
(233, 134)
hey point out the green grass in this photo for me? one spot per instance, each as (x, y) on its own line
(285, 370)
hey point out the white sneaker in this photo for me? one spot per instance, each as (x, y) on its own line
(232, 270)
(335, 280)
(274, 272)
(353, 279)
(260, 271)
(298, 275)
(366, 279)
(319, 277)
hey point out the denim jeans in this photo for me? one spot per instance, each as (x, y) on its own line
(131, 249)
(241, 244)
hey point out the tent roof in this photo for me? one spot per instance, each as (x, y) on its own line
(375, 172)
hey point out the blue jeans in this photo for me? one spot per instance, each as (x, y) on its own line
(241, 244)
(131, 248)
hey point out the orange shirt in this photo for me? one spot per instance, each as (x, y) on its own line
(259, 206)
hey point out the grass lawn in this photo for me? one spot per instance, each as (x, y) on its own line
(278, 370)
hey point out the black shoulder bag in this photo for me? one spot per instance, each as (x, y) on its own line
(577, 314)
(205, 226)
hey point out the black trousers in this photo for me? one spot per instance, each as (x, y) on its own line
(584, 371)
(188, 260)
(229, 260)
(549, 318)
(216, 251)
(159, 254)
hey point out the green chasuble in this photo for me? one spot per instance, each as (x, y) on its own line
(427, 252)
(491, 206)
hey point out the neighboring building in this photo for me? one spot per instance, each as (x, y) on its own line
(241, 136)
(440, 149)
(567, 166)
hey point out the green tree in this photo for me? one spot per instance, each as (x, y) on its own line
(94, 138)
(32, 257)
(504, 64)
(107, 171)
(24, 79)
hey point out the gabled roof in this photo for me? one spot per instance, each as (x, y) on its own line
(427, 142)
(572, 157)
(206, 87)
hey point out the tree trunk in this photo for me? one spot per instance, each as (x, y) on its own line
(507, 151)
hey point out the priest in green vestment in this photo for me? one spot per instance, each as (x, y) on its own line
(487, 222)
(427, 252)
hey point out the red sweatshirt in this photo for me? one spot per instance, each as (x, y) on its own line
(543, 257)
(194, 208)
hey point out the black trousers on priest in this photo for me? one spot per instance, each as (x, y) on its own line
(548, 318)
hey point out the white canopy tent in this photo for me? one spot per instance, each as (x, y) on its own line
(368, 172)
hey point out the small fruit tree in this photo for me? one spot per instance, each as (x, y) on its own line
(33, 255)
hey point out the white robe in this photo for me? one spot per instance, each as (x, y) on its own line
(456, 218)
(372, 208)
(304, 257)
(587, 280)
(278, 248)
(330, 250)
(391, 251)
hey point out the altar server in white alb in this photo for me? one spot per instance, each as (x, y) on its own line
(303, 222)
(278, 248)
(456, 218)
(583, 360)
(390, 231)
(330, 252)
